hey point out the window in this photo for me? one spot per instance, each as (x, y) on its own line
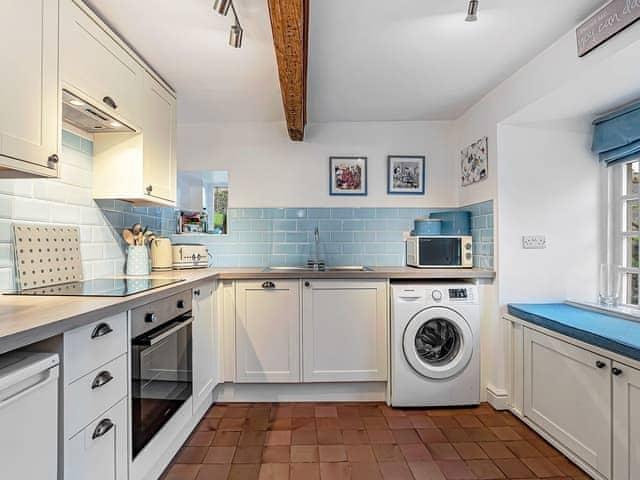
(625, 227)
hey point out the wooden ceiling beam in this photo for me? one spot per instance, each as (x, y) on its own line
(290, 29)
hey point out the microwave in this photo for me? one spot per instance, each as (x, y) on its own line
(440, 251)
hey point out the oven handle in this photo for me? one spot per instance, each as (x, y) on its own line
(149, 341)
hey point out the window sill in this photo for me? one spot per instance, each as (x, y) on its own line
(628, 313)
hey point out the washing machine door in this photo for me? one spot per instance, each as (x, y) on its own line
(438, 342)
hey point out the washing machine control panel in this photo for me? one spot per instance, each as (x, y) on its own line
(461, 293)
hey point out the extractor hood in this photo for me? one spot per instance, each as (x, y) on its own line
(83, 115)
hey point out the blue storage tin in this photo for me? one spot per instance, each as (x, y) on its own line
(427, 226)
(454, 223)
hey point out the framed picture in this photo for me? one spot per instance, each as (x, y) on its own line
(348, 176)
(406, 175)
(474, 162)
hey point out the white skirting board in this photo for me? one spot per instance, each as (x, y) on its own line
(301, 392)
(498, 398)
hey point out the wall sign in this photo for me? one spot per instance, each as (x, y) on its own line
(605, 23)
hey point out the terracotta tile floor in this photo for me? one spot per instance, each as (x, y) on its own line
(364, 441)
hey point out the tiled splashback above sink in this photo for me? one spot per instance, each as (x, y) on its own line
(348, 236)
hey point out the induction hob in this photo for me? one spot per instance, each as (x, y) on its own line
(99, 287)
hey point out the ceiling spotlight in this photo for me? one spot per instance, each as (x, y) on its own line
(222, 6)
(472, 11)
(235, 36)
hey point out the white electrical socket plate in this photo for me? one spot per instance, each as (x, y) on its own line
(534, 242)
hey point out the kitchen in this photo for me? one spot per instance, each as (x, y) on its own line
(189, 291)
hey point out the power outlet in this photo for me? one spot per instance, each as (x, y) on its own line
(534, 242)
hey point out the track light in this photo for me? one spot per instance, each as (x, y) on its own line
(222, 6)
(236, 33)
(472, 11)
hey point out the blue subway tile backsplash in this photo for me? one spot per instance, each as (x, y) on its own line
(348, 236)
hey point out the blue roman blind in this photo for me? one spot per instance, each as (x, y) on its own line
(616, 137)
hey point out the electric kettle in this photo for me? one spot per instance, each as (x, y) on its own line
(161, 255)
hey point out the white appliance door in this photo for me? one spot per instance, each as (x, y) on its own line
(29, 419)
(438, 342)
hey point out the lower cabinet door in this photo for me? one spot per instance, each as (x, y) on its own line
(268, 331)
(205, 353)
(99, 452)
(626, 422)
(567, 392)
(344, 325)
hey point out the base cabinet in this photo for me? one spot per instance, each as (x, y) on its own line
(99, 452)
(344, 330)
(567, 392)
(205, 352)
(268, 331)
(626, 422)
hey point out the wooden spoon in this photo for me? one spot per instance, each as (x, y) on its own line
(128, 236)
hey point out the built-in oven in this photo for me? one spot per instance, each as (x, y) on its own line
(161, 365)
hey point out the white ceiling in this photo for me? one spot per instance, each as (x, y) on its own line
(370, 60)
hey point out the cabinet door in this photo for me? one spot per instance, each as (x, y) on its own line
(268, 331)
(204, 344)
(567, 392)
(29, 125)
(99, 452)
(96, 67)
(344, 325)
(626, 423)
(159, 135)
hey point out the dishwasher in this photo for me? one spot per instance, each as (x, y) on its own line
(29, 415)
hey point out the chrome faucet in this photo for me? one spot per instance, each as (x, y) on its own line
(315, 262)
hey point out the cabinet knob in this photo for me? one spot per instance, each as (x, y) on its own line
(110, 101)
(53, 160)
(101, 330)
(268, 285)
(600, 364)
(102, 429)
(150, 317)
(616, 371)
(101, 379)
(180, 304)
(307, 284)
(196, 292)
(149, 189)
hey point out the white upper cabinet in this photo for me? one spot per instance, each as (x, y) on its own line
(567, 392)
(344, 325)
(267, 331)
(29, 99)
(97, 68)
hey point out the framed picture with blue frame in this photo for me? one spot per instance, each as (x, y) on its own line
(348, 176)
(406, 174)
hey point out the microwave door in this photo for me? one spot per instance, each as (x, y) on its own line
(440, 252)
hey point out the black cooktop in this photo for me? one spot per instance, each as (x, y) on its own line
(100, 287)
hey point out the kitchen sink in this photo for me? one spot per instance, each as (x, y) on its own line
(305, 268)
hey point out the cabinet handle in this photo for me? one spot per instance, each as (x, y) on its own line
(111, 102)
(268, 285)
(102, 429)
(101, 330)
(600, 364)
(196, 292)
(53, 160)
(149, 189)
(616, 371)
(307, 284)
(101, 379)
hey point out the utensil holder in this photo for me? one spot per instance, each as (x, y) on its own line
(138, 262)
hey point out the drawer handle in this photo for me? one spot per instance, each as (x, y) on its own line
(102, 429)
(268, 285)
(616, 371)
(111, 102)
(600, 364)
(101, 379)
(101, 330)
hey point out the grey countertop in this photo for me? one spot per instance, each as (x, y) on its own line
(28, 319)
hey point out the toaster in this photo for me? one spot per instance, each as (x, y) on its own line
(190, 255)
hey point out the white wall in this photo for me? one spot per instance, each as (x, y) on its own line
(266, 169)
(549, 185)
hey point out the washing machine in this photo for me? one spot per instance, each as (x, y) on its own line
(435, 345)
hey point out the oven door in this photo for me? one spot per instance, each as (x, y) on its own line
(161, 377)
(440, 252)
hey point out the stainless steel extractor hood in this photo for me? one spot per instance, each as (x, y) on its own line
(87, 117)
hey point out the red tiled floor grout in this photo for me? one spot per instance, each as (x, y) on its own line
(368, 441)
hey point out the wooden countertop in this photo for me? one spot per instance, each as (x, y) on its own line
(29, 319)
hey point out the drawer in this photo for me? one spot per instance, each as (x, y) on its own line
(94, 393)
(89, 347)
(99, 452)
